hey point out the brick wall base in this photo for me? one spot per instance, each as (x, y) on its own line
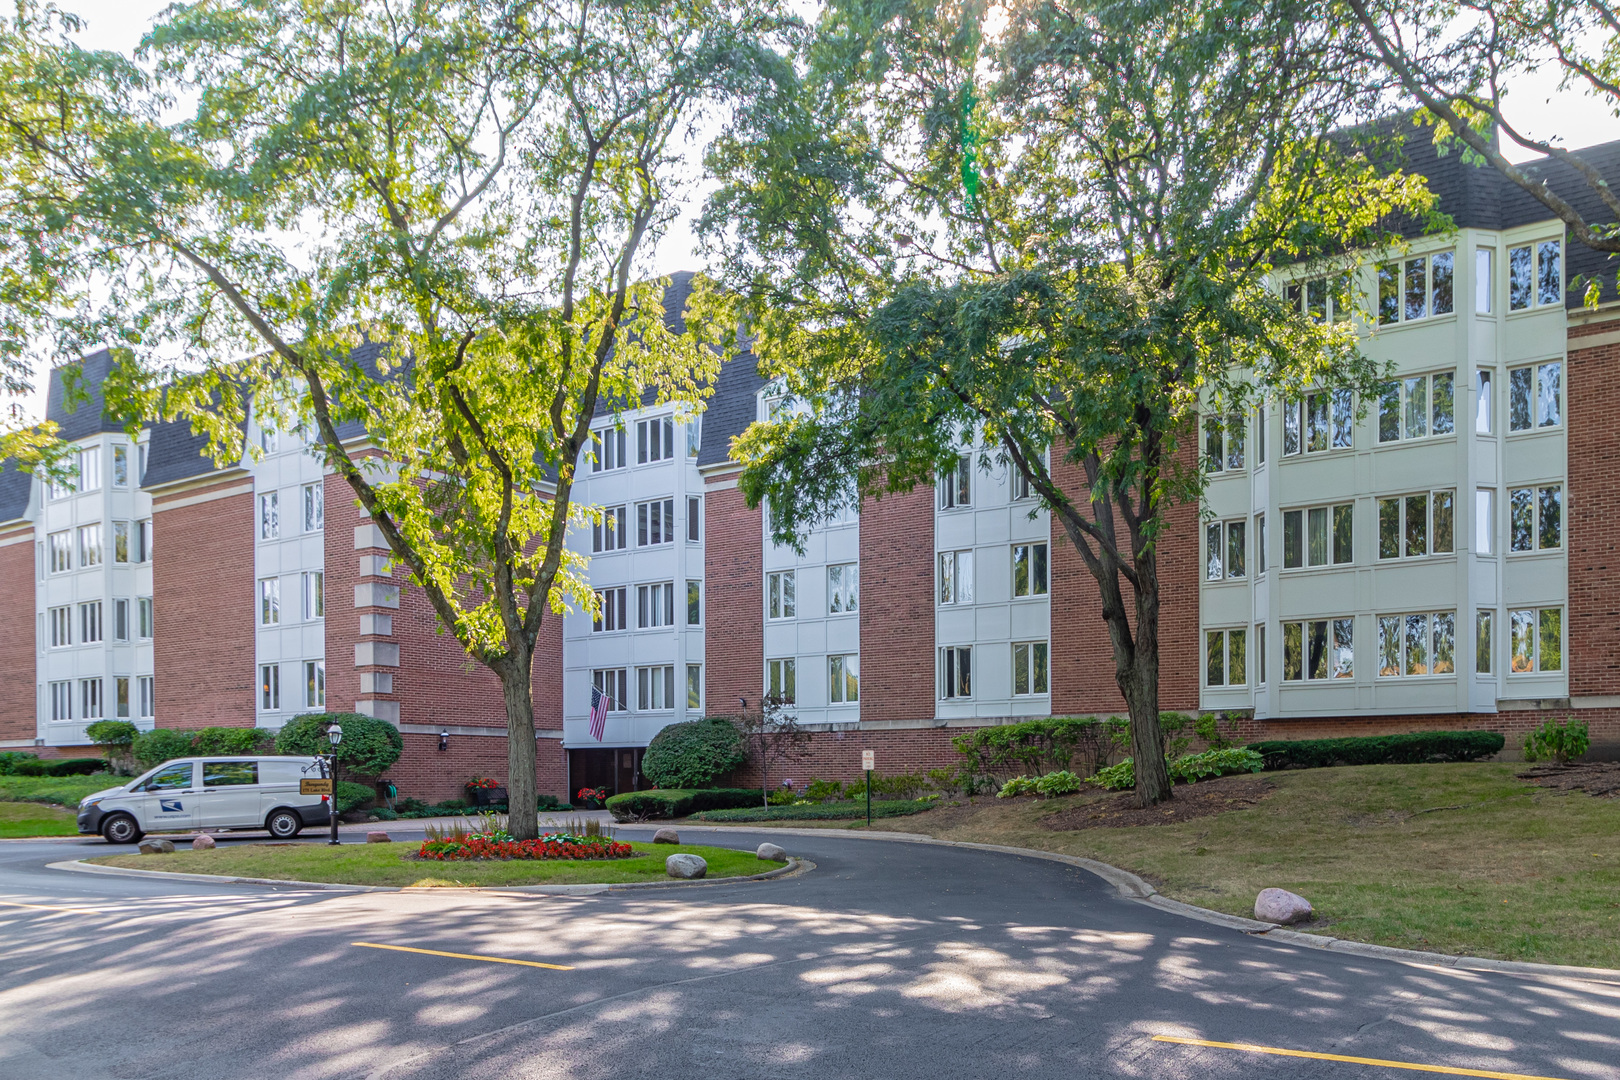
(425, 772)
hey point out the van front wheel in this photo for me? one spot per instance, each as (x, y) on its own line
(121, 829)
(284, 824)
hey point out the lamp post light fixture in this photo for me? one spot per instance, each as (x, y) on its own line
(334, 735)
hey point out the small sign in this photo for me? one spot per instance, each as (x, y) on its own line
(867, 759)
(315, 787)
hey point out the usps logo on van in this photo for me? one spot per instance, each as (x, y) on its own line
(170, 806)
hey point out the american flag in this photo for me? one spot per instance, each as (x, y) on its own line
(600, 704)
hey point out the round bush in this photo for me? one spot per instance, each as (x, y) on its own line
(112, 733)
(230, 741)
(159, 745)
(369, 747)
(693, 754)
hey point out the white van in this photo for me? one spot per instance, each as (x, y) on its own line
(208, 793)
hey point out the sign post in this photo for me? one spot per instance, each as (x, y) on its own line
(868, 763)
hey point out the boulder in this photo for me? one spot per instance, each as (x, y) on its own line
(378, 838)
(771, 853)
(666, 836)
(203, 843)
(1282, 907)
(686, 866)
(155, 846)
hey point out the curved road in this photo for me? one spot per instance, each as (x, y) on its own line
(889, 960)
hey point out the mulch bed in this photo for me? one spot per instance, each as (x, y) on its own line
(1191, 801)
(1601, 778)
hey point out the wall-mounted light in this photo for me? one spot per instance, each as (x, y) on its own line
(444, 740)
(744, 702)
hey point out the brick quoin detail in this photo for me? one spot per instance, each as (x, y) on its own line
(897, 606)
(202, 580)
(734, 666)
(17, 622)
(1592, 417)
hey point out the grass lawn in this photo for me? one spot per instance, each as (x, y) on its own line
(61, 790)
(34, 819)
(380, 864)
(1462, 859)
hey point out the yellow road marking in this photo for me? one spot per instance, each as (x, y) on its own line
(462, 956)
(47, 907)
(1411, 1065)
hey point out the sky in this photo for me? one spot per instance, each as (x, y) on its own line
(1537, 104)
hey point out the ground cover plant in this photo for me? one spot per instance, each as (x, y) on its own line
(840, 811)
(1187, 769)
(35, 819)
(500, 845)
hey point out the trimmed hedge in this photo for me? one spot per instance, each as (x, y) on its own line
(352, 796)
(78, 766)
(678, 802)
(686, 756)
(886, 808)
(1413, 749)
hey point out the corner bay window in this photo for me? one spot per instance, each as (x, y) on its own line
(1324, 421)
(1535, 518)
(1318, 649)
(611, 610)
(956, 484)
(655, 605)
(1535, 275)
(843, 679)
(1226, 657)
(655, 522)
(1418, 406)
(1416, 287)
(607, 449)
(1029, 570)
(615, 683)
(843, 588)
(1535, 640)
(1223, 444)
(1535, 396)
(1414, 525)
(655, 688)
(1319, 536)
(956, 671)
(1030, 667)
(611, 532)
(1423, 644)
(1225, 545)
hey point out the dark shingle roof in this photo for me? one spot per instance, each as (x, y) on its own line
(15, 487)
(87, 417)
(174, 452)
(732, 408)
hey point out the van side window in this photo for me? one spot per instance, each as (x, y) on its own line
(175, 776)
(228, 773)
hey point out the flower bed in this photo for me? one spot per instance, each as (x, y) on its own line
(501, 846)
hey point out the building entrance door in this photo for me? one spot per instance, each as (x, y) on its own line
(618, 769)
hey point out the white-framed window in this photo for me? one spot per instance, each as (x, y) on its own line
(314, 683)
(1424, 643)
(843, 588)
(62, 700)
(781, 595)
(1029, 570)
(1260, 654)
(1483, 281)
(1417, 406)
(694, 436)
(90, 622)
(61, 551)
(269, 601)
(146, 696)
(1226, 657)
(655, 688)
(314, 507)
(956, 671)
(120, 541)
(1021, 487)
(1416, 287)
(1259, 544)
(1319, 649)
(1223, 444)
(615, 683)
(607, 450)
(143, 537)
(844, 679)
(1226, 547)
(694, 686)
(270, 687)
(655, 522)
(612, 532)
(90, 697)
(90, 545)
(1535, 275)
(61, 620)
(781, 679)
(956, 577)
(143, 618)
(1536, 396)
(1319, 536)
(1321, 299)
(1484, 405)
(140, 463)
(1484, 651)
(268, 442)
(121, 697)
(314, 594)
(120, 620)
(694, 602)
(694, 518)
(1031, 670)
(120, 479)
(655, 605)
(1535, 518)
(1535, 640)
(90, 469)
(655, 439)
(956, 484)
(1414, 525)
(612, 610)
(1324, 420)
(269, 515)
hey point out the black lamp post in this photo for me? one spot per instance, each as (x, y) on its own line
(334, 735)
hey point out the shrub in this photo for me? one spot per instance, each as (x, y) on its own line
(551, 802)
(233, 741)
(782, 797)
(369, 748)
(34, 767)
(1413, 749)
(820, 791)
(159, 745)
(1558, 741)
(1121, 777)
(1213, 763)
(1018, 785)
(112, 732)
(351, 796)
(1208, 727)
(382, 813)
(77, 766)
(693, 754)
(678, 802)
(899, 786)
(1036, 746)
(10, 759)
(1058, 783)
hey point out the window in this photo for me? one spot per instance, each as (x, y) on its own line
(615, 683)
(1260, 435)
(61, 619)
(121, 480)
(843, 588)
(1226, 545)
(956, 484)
(1483, 652)
(140, 461)
(1226, 657)
(1223, 444)
(694, 603)
(146, 696)
(269, 601)
(90, 469)
(655, 605)
(269, 687)
(655, 522)
(1325, 420)
(120, 541)
(314, 507)
(607, 450)
(1535, 640)
(121, 697)
(956, 671)
(655, 440)
(89, 545)
(143, 617)
(229, 773)
(59, 489)
(694, 686)
(61, 701)
(1260, 653)
(1535, 518)
(268, 442)
(172, 778)
(1483, 404)
(1318, 649)
(781, 601)
(1482, 280)
(269, 516)
(90, 698)
(1423, 644)
(655, 688)
(1029, 570)
(143, 545)
(61, 546)
(843, 679)
(1259, 543)
(120, 620)
(1416, 288)
(694, 436)
(1417, 407)
(90, 622)
(314, 594)
(1323, 299)
(611, 533)
(1319, 536)
(314, 683)
(611, 610)
(1030, 667)
(781, 680)
(1414, 525)
(956, 577)
(694, 518)
(1535, 275)
(1535, 396)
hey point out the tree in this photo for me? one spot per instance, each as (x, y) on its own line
(473, 186)
(1047, 246)
(773, 737)
(369, 746)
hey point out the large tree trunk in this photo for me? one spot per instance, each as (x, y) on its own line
(1140, 685)
(522, 794)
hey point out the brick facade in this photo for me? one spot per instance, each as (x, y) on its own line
(425, 772)
(735, 607)
(17, 622)
(1593, 509)
(897, 606)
